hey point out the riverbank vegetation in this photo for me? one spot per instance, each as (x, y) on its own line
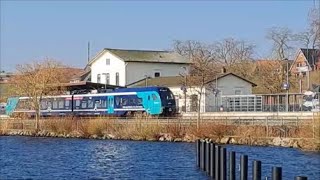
(304, 135)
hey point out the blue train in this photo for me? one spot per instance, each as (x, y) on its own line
(120, 102)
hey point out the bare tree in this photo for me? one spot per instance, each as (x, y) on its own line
(310, 38)
(36, 80)
(232, 51)
(281, 39)
(202, 70)
(245, 69)
(269, 76)
(314, 28)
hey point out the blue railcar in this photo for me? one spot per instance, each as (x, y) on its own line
(168, 104)
(121, 102)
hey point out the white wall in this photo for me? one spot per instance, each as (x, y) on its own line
(130, 72)
(116, 65)
(179, 95)
(227, 86)
(209, 102)
(137, 70)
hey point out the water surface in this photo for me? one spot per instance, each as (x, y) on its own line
(58, 158)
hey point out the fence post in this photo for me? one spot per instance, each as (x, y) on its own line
(207, 158)
(232, 165)
(256, 173)
(223, 164)
(276, 173)
(198, 145)
(212, 160)
(244, 167)
(217, 163)
(203, 155)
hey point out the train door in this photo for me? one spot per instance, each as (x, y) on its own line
(149, 104)
(11, 105)
(154, 104)
(110, 104)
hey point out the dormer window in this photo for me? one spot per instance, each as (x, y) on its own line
(107, 61)
(157, 74)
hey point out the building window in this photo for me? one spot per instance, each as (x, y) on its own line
(107, 61)
(107, 78)
(157, 74)
(98, 78)
(237, 92)
(117, 79)
(194, 103)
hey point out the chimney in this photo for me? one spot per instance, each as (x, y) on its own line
(223, 70)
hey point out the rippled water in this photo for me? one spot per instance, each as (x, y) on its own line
(54, 158)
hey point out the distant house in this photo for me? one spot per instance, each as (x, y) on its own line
(306, 58)
(81, 76)
(5, 76)
(121, 67)
(227, 83)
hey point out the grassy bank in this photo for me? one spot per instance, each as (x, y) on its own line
(304, 135)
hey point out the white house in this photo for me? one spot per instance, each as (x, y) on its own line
(122, 67)
(228, 84)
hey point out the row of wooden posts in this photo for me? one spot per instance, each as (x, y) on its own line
(212, 159)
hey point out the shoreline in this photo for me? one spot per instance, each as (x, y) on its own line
(304, 144)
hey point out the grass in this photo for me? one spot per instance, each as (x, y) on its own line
(147, 129)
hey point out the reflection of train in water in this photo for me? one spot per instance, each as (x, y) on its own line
(311, 101)
(120, 102)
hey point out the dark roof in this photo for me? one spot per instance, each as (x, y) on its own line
(139, 89)
(177, 81)
(84, 85)
(312, 55)
(151, 56)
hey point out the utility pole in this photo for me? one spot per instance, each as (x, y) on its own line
(287, 86)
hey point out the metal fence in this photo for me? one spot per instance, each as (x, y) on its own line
(257, 103)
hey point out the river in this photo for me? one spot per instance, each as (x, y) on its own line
(58, 158)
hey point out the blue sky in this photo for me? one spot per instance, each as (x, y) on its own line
(33, 30)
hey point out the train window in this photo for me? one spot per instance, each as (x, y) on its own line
(49, 104)
(90, 104)
(84, 104)
(77, 102)
(97, 104)
(67, 103)
(118, 101)
(139, 101)
(124, 102)
(61, 104)
(105, 104)
(44, 104)
(55, 104)
(148, 97)
(131, 101)
(154, 97)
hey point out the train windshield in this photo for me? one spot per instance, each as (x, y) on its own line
(165, 93)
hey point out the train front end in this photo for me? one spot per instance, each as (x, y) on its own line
(168, 102)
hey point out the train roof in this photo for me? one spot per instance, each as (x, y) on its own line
(139, 89)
